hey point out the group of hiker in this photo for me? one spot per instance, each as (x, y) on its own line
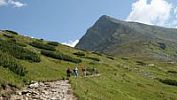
(75, 71)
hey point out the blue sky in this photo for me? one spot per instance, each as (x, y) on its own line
(68, 20)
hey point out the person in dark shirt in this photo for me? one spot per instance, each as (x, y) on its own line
(68, 72)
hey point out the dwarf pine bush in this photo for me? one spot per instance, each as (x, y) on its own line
(41, 45)
(80, 54)
(9, 31)
(60, 56)
(92, 58)
(53, 43)
(18, 51)
(12, 64)
(169, 82)
(8, 35)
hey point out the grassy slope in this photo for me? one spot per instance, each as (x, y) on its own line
(126, 82)
(119, 80)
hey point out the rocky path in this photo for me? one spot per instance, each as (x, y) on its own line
(57, 90)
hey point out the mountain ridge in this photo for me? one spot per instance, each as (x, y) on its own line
(111, 36)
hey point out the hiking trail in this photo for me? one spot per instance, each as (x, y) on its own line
(55, 90)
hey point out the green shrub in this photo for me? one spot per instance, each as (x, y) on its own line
(169, 82)
(92, 58)
(41, 39)
(80, 54)
(162, 46)
(124, 58)
(9, 31)
(92, 63)
(18, 51)
(13, 40)
(53, 43)
(97, 53)
(12, 64)
(41, 45)
(141, 63)
(60, 56)
(174, 72)
(110, 57)
(21, 44)
(8, 35)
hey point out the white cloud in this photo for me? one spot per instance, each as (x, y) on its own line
(3, 2)
(175, 11)
(71, 43)
(155, 12)
(14, 3)
(175, 14)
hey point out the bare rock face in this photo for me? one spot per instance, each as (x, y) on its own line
(121, 38)
(57, 90)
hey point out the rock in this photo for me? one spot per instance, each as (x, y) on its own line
(35, 85)
(1, 98)
(151, 65)
(54, 98)
(171, 62)
(41, 84)
(34, 93)
(17, 93)
(35, 97)
(25, 92)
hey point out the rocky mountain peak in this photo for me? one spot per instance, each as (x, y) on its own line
(115, 37)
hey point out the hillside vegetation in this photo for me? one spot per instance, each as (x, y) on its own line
(24, 59)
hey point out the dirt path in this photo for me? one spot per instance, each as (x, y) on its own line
(57, 90)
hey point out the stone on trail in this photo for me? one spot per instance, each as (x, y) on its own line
(35, 85)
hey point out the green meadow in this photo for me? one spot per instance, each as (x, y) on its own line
(22, 62)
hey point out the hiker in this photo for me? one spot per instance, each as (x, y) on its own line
(94, 71)
(68, 72)
(75, 70)
(84, 71)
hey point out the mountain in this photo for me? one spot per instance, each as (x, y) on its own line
(120, 38)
